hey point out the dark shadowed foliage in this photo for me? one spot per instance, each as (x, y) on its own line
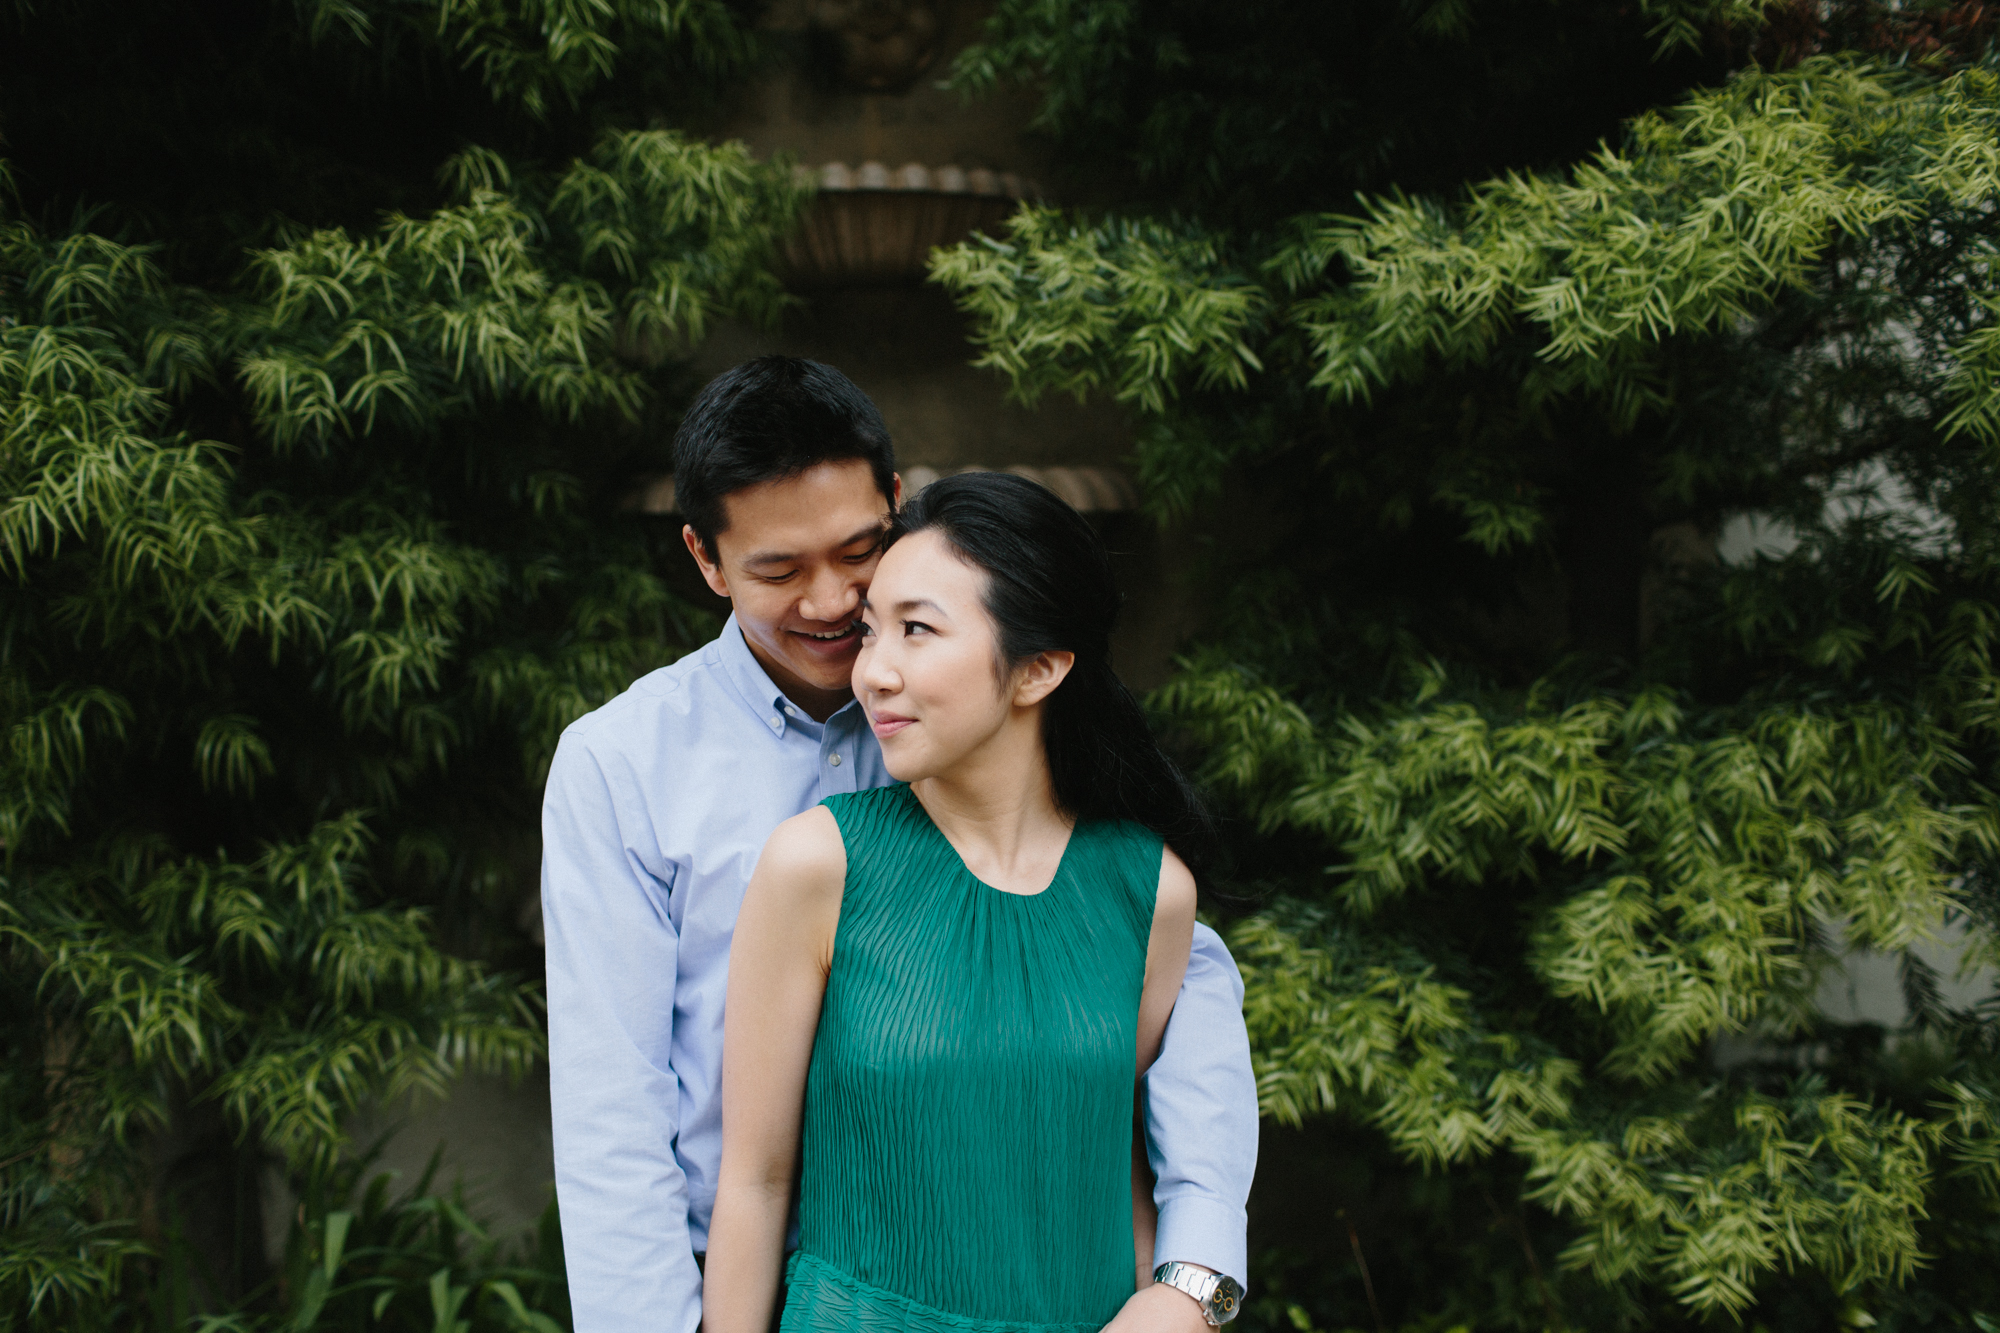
(331, 339)
(1560, 795)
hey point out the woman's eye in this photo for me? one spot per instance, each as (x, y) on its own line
(915, 627)
(867, 630)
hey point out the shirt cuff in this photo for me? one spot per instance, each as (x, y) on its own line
(1195, 1229)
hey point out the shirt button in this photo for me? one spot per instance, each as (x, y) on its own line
(835, 761)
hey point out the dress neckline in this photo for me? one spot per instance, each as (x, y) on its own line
(1062, 862)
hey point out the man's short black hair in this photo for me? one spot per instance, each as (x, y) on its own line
(766, 420)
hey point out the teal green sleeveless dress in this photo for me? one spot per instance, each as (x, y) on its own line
(966, 1160)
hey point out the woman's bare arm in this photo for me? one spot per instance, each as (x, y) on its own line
(1166, 965)
(777, 980)
(1166, 954)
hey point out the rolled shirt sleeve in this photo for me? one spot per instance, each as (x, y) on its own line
(612, 960)
(1201, 1118)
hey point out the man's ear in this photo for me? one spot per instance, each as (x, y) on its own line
(1038, 677)
(711, 572)
(896, 500)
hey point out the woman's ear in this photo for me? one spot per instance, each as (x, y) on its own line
(1038, 677)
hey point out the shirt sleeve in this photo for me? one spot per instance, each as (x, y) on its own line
(1201, 1118)
(614, 1099)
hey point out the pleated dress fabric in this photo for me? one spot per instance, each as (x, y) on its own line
(966, 1159)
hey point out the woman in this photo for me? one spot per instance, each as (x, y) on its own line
(950, 988)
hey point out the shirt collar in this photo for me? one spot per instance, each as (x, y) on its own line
(754, 684)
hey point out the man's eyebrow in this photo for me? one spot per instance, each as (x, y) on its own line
(787, 557)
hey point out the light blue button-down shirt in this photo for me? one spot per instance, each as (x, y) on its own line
(657, 807)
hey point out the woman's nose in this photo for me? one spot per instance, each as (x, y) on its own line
(872, 670)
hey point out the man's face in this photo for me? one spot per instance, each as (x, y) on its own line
(795, 559)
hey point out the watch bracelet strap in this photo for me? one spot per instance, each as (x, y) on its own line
(1192, 1282)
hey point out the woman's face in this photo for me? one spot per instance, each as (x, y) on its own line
(928, 670)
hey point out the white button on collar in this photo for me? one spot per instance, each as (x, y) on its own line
(835, 761)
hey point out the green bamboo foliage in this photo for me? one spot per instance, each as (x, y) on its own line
(1669, 932)
(1134, 308)
(1691, 227)
(234, 675)
(1556, 937)
(539, 55)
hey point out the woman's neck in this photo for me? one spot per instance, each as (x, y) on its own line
(998, 810)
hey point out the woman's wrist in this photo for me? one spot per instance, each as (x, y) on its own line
(1157, 1308)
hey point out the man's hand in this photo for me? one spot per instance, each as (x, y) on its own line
(1158, 1308)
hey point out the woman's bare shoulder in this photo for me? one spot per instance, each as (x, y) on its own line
(805, 855)
(1176, 901)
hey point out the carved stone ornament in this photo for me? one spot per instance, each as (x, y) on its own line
(871, 225)
(881, 45)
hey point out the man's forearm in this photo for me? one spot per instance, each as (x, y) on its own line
(614, 1100)
(1201, 1118)
(624, 1211)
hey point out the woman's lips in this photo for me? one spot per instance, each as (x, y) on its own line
(885, 725)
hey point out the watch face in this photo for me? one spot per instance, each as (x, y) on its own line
(1223, 1301)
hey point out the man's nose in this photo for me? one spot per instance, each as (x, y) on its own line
(831, 596)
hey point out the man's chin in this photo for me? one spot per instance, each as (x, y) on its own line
(792, 664)
(824, 671)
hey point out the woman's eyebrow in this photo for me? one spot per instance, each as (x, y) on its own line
(907, 604)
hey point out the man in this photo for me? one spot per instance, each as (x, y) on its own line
(657, 806)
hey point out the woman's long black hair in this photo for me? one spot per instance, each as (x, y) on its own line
(1049, 589)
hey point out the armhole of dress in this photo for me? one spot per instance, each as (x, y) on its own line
(835, 804)
(1157, 860)
(1132, 855)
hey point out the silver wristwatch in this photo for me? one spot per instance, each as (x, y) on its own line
(1218, 1294)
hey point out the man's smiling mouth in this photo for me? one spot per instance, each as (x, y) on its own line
(830, 635)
